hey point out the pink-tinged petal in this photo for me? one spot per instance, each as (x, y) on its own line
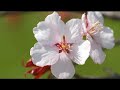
(96, 52)
(85, 23)
(44, 55)
(74, 26)
(64, 68)
(107, 38)
(81, 52)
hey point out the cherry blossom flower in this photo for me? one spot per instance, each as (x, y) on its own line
(99, 35)
(58, 45)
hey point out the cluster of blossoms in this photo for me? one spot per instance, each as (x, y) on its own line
(60, 44)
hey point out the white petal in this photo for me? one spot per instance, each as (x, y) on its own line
(97, 38)
(107, 38)
(55, 23)
(81, 52)
(96, 52)
(64, 68)
(74, 26)
(45, 34)
(49, 31)
(93, 17)
(53, 18)
(99, 16)
(40, 26)
(42, 56)
(42, 33)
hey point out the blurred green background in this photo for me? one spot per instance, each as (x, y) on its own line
(16, 39)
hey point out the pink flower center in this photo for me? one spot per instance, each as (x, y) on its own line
(64, 46)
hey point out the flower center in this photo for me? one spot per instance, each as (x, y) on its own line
(64, 46)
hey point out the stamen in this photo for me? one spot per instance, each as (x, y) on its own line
(64, 39)
(60, 50)
(67, 50)
(58, 45)
(93, 28)
(64, 46)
